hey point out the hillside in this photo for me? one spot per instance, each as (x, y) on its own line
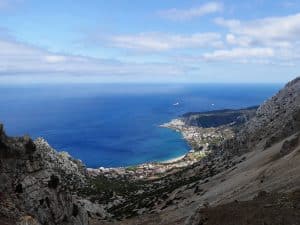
(38, 184)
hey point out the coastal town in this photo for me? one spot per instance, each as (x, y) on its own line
(200, 139)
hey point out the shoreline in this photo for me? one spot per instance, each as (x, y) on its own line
(174, 160)
(198, 138)
(167, 162)
(155, 169)
(164, 161)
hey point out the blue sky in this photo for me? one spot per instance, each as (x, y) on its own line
(149, 41)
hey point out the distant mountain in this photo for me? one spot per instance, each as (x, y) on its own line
(219, 117)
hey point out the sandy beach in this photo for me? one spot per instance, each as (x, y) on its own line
(173, 160)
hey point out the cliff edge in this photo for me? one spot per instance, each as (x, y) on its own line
(38, 184)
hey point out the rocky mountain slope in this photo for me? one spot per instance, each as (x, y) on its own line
(276, 119)
(38, 184)
(254, 175)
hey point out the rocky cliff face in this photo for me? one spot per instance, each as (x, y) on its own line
(275, 119)
(37, 184)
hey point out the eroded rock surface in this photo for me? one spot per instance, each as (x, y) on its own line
(38, 184)
(275, 119)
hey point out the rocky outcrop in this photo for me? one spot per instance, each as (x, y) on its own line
(38, 184)
(275, 119)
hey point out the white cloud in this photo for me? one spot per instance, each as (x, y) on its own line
(231, 23)
(165, 42)
(239, 41)
(272, 30)
(55, 58)
(272, 38)
(22, 59)
(239, 54)
(188, 14)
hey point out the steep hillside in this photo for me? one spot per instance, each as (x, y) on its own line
(37, 183)
(277, 118)
(269, 145)
(265, 208)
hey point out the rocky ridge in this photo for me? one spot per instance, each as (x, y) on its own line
(38, 184)
(275, 119)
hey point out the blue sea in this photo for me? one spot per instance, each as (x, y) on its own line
(117, 124)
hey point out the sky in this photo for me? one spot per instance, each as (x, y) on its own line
(191, 41)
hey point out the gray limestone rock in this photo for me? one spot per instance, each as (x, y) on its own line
(40, 182)
(275, 119)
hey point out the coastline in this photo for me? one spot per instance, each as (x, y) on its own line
(158, 169)
(163, 161)
(173, 160)
(147, 170)
(201, 139)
